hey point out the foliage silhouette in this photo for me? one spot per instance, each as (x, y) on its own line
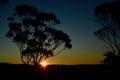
(108, 15)
(34, 34)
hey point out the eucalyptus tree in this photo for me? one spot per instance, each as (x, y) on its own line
(35, 35)
(108, 15)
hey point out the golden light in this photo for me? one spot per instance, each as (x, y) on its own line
(44, 64)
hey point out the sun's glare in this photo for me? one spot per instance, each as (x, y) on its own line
(44, 64)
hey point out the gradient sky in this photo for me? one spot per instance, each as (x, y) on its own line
(77, 20)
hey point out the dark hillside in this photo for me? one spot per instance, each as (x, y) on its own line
(59, 72)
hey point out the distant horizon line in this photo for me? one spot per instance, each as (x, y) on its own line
(51, 64)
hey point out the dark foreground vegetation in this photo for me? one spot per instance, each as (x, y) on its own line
(59, 72)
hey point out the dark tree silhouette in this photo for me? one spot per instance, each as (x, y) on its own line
(34, 34)
(108, 15)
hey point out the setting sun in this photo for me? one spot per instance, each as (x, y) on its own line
(44, 64)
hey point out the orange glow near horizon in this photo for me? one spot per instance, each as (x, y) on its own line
(44, 64)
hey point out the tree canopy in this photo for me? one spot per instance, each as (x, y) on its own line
(108, 15)
(34, 34)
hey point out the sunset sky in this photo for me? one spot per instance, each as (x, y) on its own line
(77, 20)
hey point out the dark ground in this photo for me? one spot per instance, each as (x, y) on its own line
(59, 72)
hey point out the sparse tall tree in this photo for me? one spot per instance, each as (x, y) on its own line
(34, 34)
(108, 15)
